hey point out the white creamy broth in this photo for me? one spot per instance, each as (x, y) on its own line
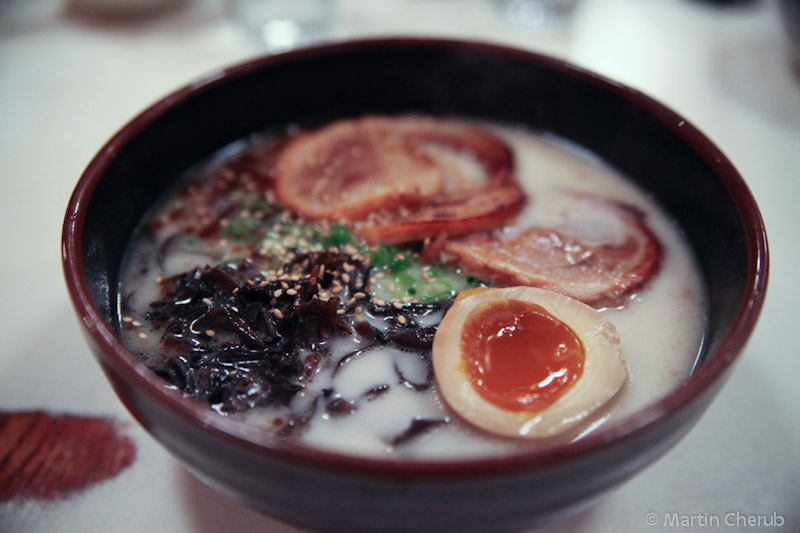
(661, 328)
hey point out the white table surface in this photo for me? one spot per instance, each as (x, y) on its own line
(67, 84)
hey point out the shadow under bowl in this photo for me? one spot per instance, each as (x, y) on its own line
(660, 151)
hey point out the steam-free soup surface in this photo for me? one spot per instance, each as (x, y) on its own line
(360, 380)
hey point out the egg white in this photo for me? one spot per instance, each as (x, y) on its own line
(604, 370)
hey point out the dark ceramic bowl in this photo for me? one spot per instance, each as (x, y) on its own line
(658, 149)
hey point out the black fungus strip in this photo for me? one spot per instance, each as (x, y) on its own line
(418, 427)
(403, 380)
(245, 350)
(351, 356)
(299, 422)
(418, 339)
(340, 407)
(234, 340)
(370, 332)
(221, 279)
(376, 392)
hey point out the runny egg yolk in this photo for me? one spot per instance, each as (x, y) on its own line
(526, 362)
(518, 356)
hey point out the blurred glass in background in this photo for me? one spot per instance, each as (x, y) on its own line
(535, 13)
(281, 25)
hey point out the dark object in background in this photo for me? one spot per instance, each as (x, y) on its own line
(790, 11)
(725, 3)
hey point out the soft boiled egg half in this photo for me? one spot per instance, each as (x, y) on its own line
(526, 362)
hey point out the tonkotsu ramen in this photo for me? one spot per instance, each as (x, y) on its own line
(412, 286)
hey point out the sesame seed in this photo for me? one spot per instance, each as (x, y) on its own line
(136, 323)
(263, 284)
(340, 312)
(278, 293)
(208, 301)
(159, 279)
(277, 312)
(127, 319)
(143, 335)
(397, 305)
(291, 292)
(359, 296)
(379, 302)
(284, 285)
(346, 277)
(401, 319)
(210, 332)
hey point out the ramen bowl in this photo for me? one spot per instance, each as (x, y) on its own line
(662, 153)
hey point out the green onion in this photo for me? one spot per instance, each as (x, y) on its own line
(251, 201)
(338, 237)
(387, 257)
(435, 290)
(193, 244)
(243, 230)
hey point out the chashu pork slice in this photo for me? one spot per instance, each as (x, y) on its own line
(351, 168)
(453, 215)
(585, 246)
(478, 193)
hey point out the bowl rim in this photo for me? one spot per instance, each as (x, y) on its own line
(258, 441)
